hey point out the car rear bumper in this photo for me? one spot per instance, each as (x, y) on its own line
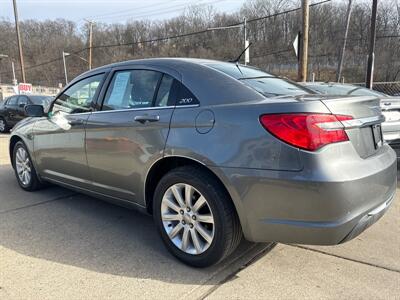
(309, 208)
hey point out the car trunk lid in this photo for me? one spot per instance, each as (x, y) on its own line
(364, 131)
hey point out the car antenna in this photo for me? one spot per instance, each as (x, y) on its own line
(236, 61)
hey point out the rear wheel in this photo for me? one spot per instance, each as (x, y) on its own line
(24, 169)
(195, 217)
(3, 125)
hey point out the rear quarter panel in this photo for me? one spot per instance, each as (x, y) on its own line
(236, 138)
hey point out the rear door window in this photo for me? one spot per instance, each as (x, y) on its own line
(131, 89)
(22, 100)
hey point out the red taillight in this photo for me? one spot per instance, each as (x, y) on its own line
(306, 130)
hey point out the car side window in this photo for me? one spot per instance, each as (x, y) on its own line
(131, 89)
(22, 100)
(12, 101)
(78, 98)
(166, 94)
(172, 92)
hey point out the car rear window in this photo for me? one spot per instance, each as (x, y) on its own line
(263, 82)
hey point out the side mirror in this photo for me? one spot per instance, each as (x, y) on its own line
(22, 105)
(34, 110)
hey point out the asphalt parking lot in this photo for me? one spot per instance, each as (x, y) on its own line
(57, 244)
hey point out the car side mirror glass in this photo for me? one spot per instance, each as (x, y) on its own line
(34, 110)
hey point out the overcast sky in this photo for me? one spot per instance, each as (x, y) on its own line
(109, 11)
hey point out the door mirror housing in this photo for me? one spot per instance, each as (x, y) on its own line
(34, 110)
(22, 105)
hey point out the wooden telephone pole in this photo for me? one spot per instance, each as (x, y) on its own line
(302, 76)
(21, 57)
(90, 23)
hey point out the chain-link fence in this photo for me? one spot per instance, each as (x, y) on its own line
(389, 88)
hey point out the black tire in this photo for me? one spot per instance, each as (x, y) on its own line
(5, 128)
(228, 232)
(34, 182)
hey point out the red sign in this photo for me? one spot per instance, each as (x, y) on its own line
(25, 88)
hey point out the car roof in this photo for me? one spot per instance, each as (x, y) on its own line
(195, 74)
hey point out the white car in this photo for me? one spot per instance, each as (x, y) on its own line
(390, 106)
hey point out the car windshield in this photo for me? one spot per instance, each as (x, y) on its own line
(41, 100)
(342, 89)
(264, 83)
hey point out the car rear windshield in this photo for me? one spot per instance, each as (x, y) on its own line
(264, 83)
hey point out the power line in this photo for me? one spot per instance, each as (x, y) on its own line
(204, 30)
(132, 9)
(160, 11)
(168, 37)
(387, 36)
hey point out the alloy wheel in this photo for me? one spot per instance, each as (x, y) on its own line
(2, 125)
(187, 218)
(23, 166)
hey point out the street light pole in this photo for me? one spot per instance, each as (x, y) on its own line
(371, 55)
(1, 58)
(64, 55)
(65, 67)
(246, 43)
(342, 52)
(13, 71)
(21, 57)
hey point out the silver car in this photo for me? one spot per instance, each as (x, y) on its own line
(390, 107)
(214, 151)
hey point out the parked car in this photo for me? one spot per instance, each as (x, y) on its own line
(12, 109)
(213, 151)
(390, 107)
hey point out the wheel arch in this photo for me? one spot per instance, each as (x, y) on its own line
(13, 141)
(166, 164)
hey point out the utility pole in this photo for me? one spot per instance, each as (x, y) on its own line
(21, 57)
(302, 76)
(342, 52)
(90, 23)
(371, 55)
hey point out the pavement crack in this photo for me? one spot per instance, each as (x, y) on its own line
(255, 257)
(37, 204)
(345, 258)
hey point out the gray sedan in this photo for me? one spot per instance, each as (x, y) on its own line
(214, 151)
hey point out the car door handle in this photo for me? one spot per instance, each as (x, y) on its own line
(147, 118)
(75, 122)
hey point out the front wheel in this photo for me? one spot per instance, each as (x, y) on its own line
(24, 169)
(195, 217)
(3, 125)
